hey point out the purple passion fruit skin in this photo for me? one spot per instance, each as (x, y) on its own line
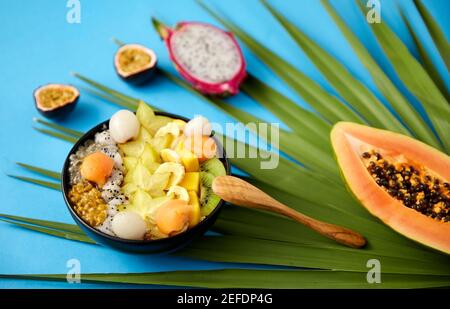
(135, 64)
(55, 100)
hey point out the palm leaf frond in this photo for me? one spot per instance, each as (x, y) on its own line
(47, 184)
(436, 33)
(416, 79)
(350, 88)
(42, 171)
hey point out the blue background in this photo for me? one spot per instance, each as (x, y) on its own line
(38, 46)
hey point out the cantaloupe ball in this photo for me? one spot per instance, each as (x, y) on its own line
(97, 167)
(173, 217)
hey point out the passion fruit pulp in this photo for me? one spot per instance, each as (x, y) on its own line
(54, 100)
(135, 63)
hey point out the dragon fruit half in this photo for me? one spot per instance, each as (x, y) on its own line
(207, 57)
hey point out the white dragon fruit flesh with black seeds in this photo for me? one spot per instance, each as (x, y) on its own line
(207, 57)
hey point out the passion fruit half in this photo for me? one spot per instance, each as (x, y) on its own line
(54, 100)
(135, 63)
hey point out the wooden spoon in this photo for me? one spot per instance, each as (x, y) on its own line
(241, 193)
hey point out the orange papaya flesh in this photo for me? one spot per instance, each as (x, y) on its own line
(398, 179)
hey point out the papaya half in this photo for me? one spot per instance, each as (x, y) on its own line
(400, 180)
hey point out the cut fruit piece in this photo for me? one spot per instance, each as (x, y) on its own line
(189, 160)
(170, 128)
(135, 63)
(161, 142)
(133, 148)
(54, 100)
(142, 177)
(180, 123)
(144, 135)
(191, 181)
(176, 171)
(173, 217)
(195, 212)
(140, 202)
(149, 155)
(169, 155)
(158, 183)
(208, 201)
(145, 115)
(398, 179)
(214, 166)
(124, 126)
(179, 193)
(151, 166)
(153, 206)
(130, 163)
(97, 167)
(209, 58)
(206, 179)
(129, 189)
(156, 123)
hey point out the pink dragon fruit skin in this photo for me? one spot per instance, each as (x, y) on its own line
(230, 86)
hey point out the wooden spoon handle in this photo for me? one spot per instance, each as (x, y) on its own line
(241, 193)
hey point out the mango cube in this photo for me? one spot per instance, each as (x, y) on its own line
(191, 181)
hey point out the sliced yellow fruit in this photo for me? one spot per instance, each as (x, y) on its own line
(191, 181)
(161, 142)
(141, 200)
(149, 155)
(180, 123)
(145, 115)
(189, 161)
(176, 171)
(195, 213)
(130, 163)
(144, 135)
(170, 128)
(156, 123)
(142, 176)
(133, 148)
(153, 206)
(179, 193)
(169, 155)
(158, 182)
(129, 189)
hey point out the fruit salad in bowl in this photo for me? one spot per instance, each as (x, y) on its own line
(142, 181)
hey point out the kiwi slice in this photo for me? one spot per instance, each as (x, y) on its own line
(208, 199)
(213, 166)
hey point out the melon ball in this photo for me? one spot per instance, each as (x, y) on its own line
(173, 217)
(198, 126)
(123, 126)
(129, 225)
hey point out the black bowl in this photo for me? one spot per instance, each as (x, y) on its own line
(164, 245)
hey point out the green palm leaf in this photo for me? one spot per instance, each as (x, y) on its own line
(63, 136)
(248, 278)
(436, 33)
(47, 184)
(396, 99)
(330, 107)
(350, 88)
(58, 127)
(425, 59)
(42, 171)
(416, 80)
